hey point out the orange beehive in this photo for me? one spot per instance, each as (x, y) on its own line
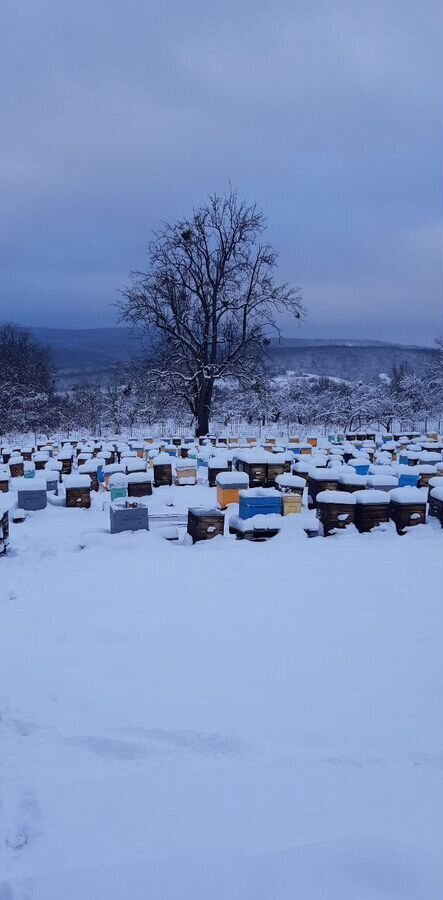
(229, 485)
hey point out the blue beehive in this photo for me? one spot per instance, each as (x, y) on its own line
(362, 470)
(260, 501)
(403, 459)
(408, 480)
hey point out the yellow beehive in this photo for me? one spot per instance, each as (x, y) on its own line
(306, 451)
(227, 495)
(251, 440)
(291, 504)
(186, 475)
(312, 441)
(294, 439)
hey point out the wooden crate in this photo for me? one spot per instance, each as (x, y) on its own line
(291, 504)
(204, 524)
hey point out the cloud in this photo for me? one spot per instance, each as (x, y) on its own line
(117, 116)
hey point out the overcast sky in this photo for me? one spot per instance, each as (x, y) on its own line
(118, 114)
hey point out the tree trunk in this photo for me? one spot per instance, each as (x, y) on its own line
(203, 408)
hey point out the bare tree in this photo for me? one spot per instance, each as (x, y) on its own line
(208, 300)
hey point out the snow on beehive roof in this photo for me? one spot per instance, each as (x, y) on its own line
(77, 481)
(368, 498)
(408, 495)
(338, 497)
(232, 479)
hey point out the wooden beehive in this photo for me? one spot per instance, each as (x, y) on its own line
(335, 515)
(213, 471)
(257, 473)
(162, 474)
(140, 487)
(291, 504)
(406, 515)
(66, 466)
(313, 441)
(78, 491)
(78, 497)
(16, 469)
(4, 532)
(273, 470)
(371, 509)
(436, 506)
(316, 485)
(186, 475)
(4, 484)
(204, 524)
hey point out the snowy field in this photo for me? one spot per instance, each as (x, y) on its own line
(225, 721)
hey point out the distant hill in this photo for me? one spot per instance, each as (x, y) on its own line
(94, 353)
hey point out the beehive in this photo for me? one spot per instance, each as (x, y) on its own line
(407, 507)
(229, 485)
(139, 484)
(31, 493)
(16, 467)
(4, 484)
(313, 441)
(335, 509)
(371, 509)
(4, 531)
(291, 504)
(162, 470)
(320, 480)
(216, 466)
(259, 501)
(78, 491)
(436, 504)
(127, 515)
(186, 472)
(204, 524)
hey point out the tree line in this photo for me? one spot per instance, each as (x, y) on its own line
(205, 310)
(31, 402)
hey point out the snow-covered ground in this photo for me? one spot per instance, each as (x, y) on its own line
(219, 722)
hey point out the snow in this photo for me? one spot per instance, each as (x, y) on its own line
(232, 479)
(260, 492)
(437, 493)
(386, 481)
(260, 522)
(29, 484)
(228, 720)
(405, 495)
(77, 481)
(336, 497)
(290, 481)
(136, 478)
(348, 478)
(371, 497)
